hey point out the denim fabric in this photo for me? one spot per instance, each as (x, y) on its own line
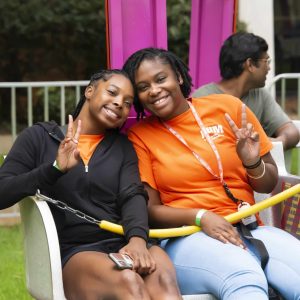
(206, 265)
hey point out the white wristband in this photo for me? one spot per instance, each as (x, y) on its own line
(199, 215)
(55, 165)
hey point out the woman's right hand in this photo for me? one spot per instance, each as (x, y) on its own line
(218, 228)
(247, 139)
(143, 263)
(68, 154)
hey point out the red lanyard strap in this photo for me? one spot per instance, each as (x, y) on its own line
(197, 155)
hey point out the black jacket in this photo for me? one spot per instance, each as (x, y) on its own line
(110, 190)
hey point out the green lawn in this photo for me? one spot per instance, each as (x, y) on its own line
(294, 163)
(12, 277)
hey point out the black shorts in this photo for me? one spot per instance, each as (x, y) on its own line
(111, 245)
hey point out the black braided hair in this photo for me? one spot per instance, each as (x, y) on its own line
(95, 78)
(178, 66)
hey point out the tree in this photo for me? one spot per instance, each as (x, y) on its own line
(44, 40)
(179, 15)
(50, 40)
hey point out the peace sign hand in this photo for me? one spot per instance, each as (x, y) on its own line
(68, 154)
(247, 140)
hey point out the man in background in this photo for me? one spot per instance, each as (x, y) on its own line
(244, 64)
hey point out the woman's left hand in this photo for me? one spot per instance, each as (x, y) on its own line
(143, 262)
(68, 154)
(218, 228)
(247, 140)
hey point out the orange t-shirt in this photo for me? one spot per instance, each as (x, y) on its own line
(170, 167)
(87, 144)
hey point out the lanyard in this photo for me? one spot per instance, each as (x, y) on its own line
(220, 177)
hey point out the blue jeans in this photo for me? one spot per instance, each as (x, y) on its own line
(206, 265)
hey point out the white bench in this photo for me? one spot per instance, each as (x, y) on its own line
(42, 254)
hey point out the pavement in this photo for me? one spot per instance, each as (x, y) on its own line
(6, 142)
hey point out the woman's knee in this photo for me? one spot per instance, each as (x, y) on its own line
(223, 280)
(247, 283)
(126, 285)
(129, 278)
(131, 282)
(93, 281)
(165, 274)
(162, 284)
(166, 279)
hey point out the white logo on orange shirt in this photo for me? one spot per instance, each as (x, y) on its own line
(214, 131)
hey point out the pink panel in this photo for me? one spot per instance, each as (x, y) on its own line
(211, 23)
(135, 24)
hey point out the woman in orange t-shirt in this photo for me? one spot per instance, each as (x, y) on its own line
(201, 159)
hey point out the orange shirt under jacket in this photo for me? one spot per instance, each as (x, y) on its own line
(87, 144)
(169, 167)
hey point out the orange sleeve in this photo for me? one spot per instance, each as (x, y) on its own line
(144, 159)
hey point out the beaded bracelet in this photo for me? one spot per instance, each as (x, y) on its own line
(259, 176)
(257, 164)
(199, 215)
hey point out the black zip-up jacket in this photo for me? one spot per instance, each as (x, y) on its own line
(109, 190)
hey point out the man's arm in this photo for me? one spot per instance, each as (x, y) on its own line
(288, 134)
(275, 121)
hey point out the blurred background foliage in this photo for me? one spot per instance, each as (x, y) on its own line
(178, 17)
(66, 40)
(48, 40)
(51, 40)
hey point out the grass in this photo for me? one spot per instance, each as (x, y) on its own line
(294, 163)
(12, 274)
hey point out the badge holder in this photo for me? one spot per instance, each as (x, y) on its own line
(250, 222)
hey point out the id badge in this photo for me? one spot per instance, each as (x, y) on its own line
(250, 221)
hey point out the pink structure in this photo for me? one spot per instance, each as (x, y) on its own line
(212, 21)
(132, 25)
(136, 24)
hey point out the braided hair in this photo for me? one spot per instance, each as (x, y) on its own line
(95, 78)
(167, 57)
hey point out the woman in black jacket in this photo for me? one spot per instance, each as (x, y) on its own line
(93, 169)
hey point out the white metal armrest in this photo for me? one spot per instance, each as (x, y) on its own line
(272, 215)
(42, 253)
(277, 153)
